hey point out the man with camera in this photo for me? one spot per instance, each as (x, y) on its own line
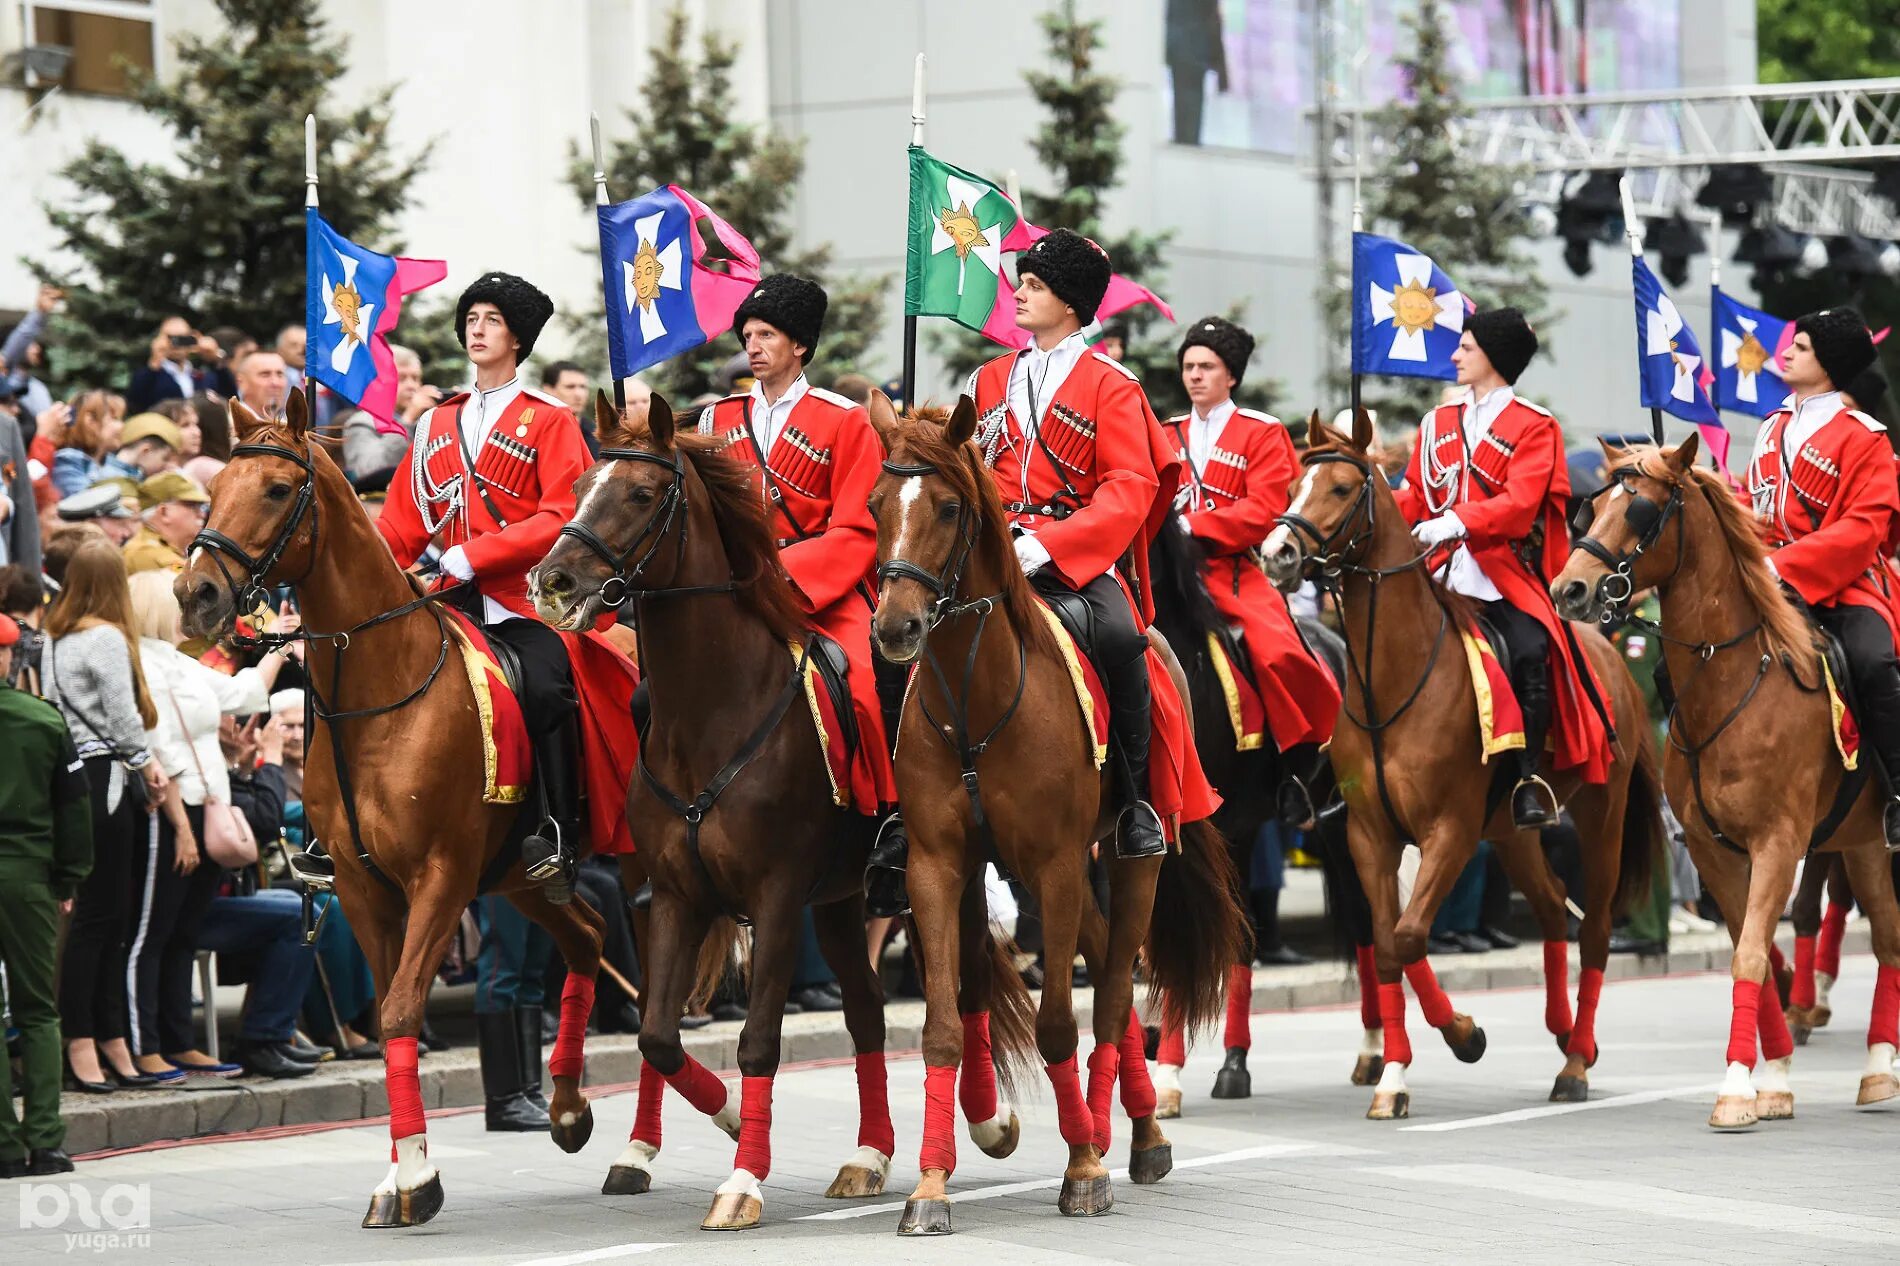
(168, 374)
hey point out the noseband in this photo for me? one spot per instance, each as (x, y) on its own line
(1644, 517)
(659, 523)
(946, 585)
(251, 591)
(1329, 560)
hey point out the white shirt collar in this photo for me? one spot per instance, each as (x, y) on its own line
(768, 420)
(180, 374)
(486, 407)
(1203, 432)
(1809, 416)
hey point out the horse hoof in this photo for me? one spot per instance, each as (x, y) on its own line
(1469, 1051)
(1002, 1147)
(1366, 1071)
(1233, 1081)
(571, 1136)
(1086, 1197)
(733, 1211)
(854, 1182)
(1390, 1106)
(1167, 1105)
(1819, 1015)
(1877, 1088)
(1570, 1089)
(405, 1208)
(1774, 1105)
(625, 1180)
(925, 1217)
(1733, 1112)
(1150, 1164)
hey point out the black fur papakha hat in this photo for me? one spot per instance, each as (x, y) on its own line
(795, 306)
(1841, 340)
(1071, 265)
(522, 305)
(1506, 339)
(1222, 337)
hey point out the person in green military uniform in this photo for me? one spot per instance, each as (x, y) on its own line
(1647, 928)
(173, 507)
(45, 850)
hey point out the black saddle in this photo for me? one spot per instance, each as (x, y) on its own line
(1494, 636)
(833, 669)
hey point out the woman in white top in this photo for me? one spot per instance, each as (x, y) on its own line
(173, 888)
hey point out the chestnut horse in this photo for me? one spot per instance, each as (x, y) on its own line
(412, 840)
(1407, 756)
(733, 812)
(1752, 767)
(994, 763)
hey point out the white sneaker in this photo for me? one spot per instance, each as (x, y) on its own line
(1683, 922)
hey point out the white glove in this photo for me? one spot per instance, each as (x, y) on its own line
(455, 563)
(1772, 569)
(1181, 521)
(1433, 532)
(1031, 553)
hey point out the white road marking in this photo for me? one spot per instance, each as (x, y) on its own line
(609, 1253)
(1644, 1198)
(1561, 1109)
(1043, 1184)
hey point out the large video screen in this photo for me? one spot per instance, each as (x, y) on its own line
(1242, 73)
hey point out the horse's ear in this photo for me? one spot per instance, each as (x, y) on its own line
(883, 418)
(297, 415)
(1682, 456)
(1361, 429)
(962, 424)
(244, 420)
(1613, 450)
(606, 417)
(1318, 433)
(660, 422)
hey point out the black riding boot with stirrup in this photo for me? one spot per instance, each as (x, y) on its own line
(548, 854)
(1533, 803)
(1295, 804)
(885, 895)
(1138, 830)
(314, 867)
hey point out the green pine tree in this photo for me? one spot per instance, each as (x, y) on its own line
(217, 233)
(1461, 212)
(687, 136)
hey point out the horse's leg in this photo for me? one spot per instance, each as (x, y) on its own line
(994, 1129)
(1347, 897)
(1871, 873)
(1233, 1081)
(1806, 916)
(578, 931)
(1377, 862)
(1522, 856)
(632, 1173)
(411, 1193)
(678, 931)
(1118, 1036)
(1062, 891)
(840, 929)
(937, 879)
(1444, 852)
(1599, 815)
(1827, 946)
(1770, 881)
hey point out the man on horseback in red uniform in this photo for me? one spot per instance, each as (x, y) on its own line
(817, 459)
(526, 452)
(1239, 465)
(1488, 483)
(1822, 481)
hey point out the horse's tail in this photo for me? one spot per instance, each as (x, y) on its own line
(1198, 930)
(1012, 1018)
(1643, 828)
(718, 953)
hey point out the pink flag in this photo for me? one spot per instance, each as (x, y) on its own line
(1122, 294)
(380, 400)
(717, 295)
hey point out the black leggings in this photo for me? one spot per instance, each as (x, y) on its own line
(1524, 635)
(1865, 637)
(92, 974)
(1112, 633)
(168, 909)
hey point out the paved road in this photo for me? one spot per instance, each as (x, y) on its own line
(1485, 1171)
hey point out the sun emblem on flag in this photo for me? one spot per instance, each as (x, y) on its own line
(651, 269)
(1415, 307)
(343, 307)
(960, 227)
(1749, 358)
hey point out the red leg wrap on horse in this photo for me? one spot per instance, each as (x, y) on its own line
(1557, 988)
(874, 1104)
(1583, 1034)
(1772, 1022)
(1885, 1024)
(1827, 948)
(1398, 1047)
(1802, 995)
(1105, 1061)
(405, 1087)
(755, 1126)
(577, 1003)
(646, 1118)
(1746, 1003)
(1072, 1111)
(1776, 963)
(1432, 1002)
(700, 1085)
(976, 1090)
(1172, 1048)
(1138, 1090)
(1368, 986)
(939, 1147)
(1239, 1007)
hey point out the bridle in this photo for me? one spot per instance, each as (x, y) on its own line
(658, 525)
(944, 586)
(217, 546)
(1323, 557)
(1644, 517)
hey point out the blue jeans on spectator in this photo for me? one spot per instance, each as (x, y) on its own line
(267, 932)
(810, 968)
(1463, 908)
(514, 958)
(345, 969)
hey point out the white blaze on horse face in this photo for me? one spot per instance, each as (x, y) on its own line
(906, 502)
(1280, 537)
(601, 481)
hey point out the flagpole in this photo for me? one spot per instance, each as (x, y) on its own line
(1635, 236)
(909, 378)
(600, 200)
(310, 160)
(1358, 204)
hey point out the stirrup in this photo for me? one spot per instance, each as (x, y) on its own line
(886, 894)
(1545, 815)
(554, 863)
(315, 870)
(1295, 804)
(1139, 833)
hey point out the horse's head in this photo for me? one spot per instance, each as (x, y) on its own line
(262, 528)
(628, 503)
(1330, 519)
(927, 521)
(1621, 546)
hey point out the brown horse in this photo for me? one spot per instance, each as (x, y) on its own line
(1752, 766)
(995, 763)
(733, 813)
(394, 770)
(1408, 759)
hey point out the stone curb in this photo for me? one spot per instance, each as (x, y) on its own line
(351, 1091)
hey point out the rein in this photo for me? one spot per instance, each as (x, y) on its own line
(658, 525)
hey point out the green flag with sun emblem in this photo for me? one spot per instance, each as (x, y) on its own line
(960, 226)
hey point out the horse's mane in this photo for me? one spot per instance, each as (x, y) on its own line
(1174, 571)
(1785, 628)
(739, 512)
(920, 436)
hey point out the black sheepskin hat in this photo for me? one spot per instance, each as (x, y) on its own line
(1506, 339)
(1841, 340)
(1071, 265)
(1222, 337)
(795, 306)
(522, 305)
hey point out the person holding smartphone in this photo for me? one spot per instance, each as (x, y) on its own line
(167, 373)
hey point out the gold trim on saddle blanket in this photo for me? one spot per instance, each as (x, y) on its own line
(840, 794)
(1230, 690)
(1072, 660)
(1477, 650)
(478, 664)
(1836, 713)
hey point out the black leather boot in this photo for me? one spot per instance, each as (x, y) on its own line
(885, 894)
(1533, 803)
(1877, 708)
(528, 1027)
(314, 867)
(1138, 830)
(548, 854)
(1295, 805)
(508, 1109)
